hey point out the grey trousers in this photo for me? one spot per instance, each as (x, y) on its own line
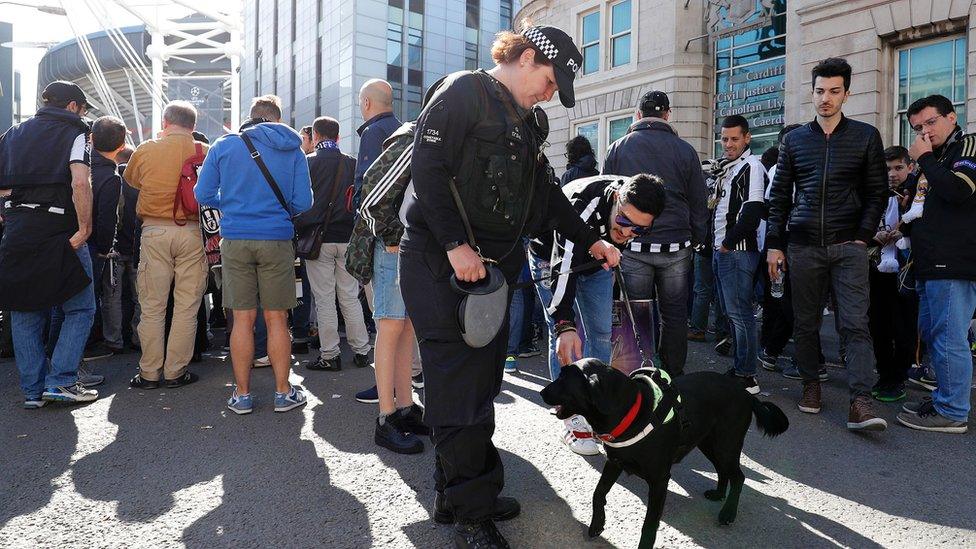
(329, 280)
(113, 276)
(843, 269)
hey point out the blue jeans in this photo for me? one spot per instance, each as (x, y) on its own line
(945, 311)
(518, 316)
(735, 271)
(70, 324)
(594, 306)
(705, 297)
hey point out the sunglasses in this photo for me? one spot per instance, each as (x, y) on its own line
(626, 223)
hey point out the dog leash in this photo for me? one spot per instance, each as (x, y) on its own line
(645, 362)
(552, 276)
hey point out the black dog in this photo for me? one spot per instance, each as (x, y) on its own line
(714, 416)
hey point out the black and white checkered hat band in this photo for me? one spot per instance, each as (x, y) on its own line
(539, 39)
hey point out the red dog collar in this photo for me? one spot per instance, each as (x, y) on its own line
(625, 422)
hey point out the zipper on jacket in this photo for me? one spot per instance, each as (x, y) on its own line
(823, 192)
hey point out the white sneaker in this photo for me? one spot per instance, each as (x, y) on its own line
(262, 362)
(579, 437)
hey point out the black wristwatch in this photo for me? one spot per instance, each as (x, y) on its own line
(451, 245)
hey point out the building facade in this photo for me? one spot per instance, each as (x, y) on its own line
(715, 58)
(316, 54)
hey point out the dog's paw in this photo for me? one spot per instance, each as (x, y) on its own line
(726, 517)
(594, 530)
(715, 495)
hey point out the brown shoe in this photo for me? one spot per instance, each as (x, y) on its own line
(810, 401)
(862, 418)
(695, 335)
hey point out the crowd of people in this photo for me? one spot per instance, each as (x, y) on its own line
(106, 250)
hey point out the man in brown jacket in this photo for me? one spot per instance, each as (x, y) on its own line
(171, 253)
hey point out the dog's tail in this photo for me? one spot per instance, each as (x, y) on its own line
(770, 419)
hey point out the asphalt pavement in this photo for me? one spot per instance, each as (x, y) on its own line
(175, 468)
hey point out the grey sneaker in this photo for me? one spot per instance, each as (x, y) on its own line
(914, 407)
(928, 419)
(33, 403)
(72, 393)
(88, 379)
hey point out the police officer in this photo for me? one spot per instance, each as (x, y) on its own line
(44, 263)
(480, 132)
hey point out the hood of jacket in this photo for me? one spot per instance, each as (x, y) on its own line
(275, 135)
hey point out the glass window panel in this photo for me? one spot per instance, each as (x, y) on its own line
(471, 35)
(723, 43)
(931, 70)
(959, 90)
(618, 128)
(722, 60)
(394, 15)
(903, 80)
(620, 17)
(961, 115)
(590, 132)
(417, 6)
(416, 20)
(621, 50)
(591, 59)
(473, 13)
(591, 28)
(757, 52)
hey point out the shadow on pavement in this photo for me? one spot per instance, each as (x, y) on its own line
(34, 449)
(275, 492)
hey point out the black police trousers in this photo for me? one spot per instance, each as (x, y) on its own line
(460, 385)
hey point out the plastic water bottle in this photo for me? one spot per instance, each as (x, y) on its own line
(776, 287)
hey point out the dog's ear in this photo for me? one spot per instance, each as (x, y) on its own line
(601, 394)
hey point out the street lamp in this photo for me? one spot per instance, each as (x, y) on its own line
(53, 10)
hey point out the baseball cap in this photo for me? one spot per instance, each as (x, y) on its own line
(654, 101)
(61, 91)
(566, 59)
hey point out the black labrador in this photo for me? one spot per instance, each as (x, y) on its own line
(715, 414)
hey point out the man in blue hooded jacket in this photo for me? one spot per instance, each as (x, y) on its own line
(256, 251)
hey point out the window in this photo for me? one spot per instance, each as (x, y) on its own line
(394, 37)
(505, 15)
(750, 69)
(620, 33)
(591, 131)
(617, 128)
(415, 49)
(472, 22)
(927, 69)
(591, 42)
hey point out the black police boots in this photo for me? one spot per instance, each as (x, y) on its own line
(482, 535)
(505, 508)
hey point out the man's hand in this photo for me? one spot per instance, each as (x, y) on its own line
(723, 249)
(466, 263)
(392, 249)
(78, 239)
(921, 146)
(776, 261)
(569, 347)
(882, 237)
(606, 251)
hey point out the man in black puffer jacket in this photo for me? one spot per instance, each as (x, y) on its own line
(829, 193)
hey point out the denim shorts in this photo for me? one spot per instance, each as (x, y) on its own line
(387, 301)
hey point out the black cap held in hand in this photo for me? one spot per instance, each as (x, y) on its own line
(654, 103)
(566, 59)
(61, 91)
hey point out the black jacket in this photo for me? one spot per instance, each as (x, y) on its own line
(323, 166)
(584, 167)
(130, 226)
(839, 181)
(944, 238)
(472, 131)
(106, 189)
(652, 146)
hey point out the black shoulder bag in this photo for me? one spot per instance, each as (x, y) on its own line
(309, 243)
(268, 177)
